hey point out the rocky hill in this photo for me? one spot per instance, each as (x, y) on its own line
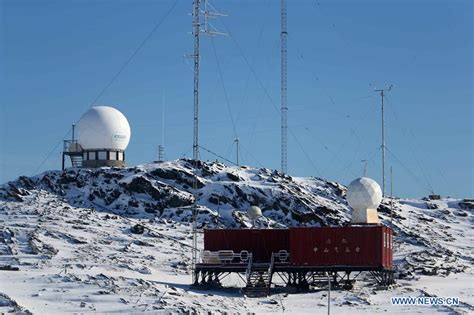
(71, 236)
(165, 190)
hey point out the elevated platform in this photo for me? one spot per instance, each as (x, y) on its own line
(209, 275)
(279, 267)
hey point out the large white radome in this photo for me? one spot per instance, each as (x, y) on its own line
(364, 193)
(104, 127)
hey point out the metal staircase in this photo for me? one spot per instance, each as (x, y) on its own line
(259, 278)
(76, 160)
(72, 149)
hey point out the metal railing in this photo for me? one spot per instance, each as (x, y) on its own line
(67, 144)
(249, 268)
(270, 269)
(272, 263)
(224, 256)
(282, 255)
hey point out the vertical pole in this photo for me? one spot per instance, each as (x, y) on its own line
(73, 131)
(329, 293)
(382, 94)
(284, 106)
(391, 195)
(237, 144)
(383, 146)
(161, 146)
(63, 162)
(196, 33)
(163, 121)
(365, 167)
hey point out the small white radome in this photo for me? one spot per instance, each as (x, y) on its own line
(254, 212)
(104, 127)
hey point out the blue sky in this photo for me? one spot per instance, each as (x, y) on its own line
(56, 57)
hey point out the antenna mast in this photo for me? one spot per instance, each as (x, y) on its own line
(382, 94)
(197, 30)
(284, 107)
(161, 147)
(391, 195)
(237, 147)
(365, 167)
(196, 33)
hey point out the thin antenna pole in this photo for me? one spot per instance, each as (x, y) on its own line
(391, 195)
(329, 293)
(365, 167)
(237, 145)
(382, 91)
(284, 106)
(73, 131)
(163, 121)
(383, 147)
(161, 147)
(196, 33)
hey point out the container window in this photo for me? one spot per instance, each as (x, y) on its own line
(102, 155)
(112, 156)
(85, 156)
(93, 155)
(120, 156)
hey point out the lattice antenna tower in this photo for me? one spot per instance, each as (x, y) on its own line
(382, 95)
(284, 106)
(203, 12)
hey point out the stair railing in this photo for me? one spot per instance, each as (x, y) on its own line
(249, 268)
(270, 269)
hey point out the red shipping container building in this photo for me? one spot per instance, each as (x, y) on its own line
(335, 251)
(355, 246)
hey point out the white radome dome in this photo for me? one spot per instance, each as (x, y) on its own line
(104, 127)
(364, 193)
(254, 212)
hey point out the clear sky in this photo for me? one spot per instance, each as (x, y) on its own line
(57, 56)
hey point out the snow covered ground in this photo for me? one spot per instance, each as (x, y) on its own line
(76, 253)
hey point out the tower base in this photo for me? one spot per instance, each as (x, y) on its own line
(101, 163)
(103, 157)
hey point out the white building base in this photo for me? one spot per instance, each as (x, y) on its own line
(366, 216)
